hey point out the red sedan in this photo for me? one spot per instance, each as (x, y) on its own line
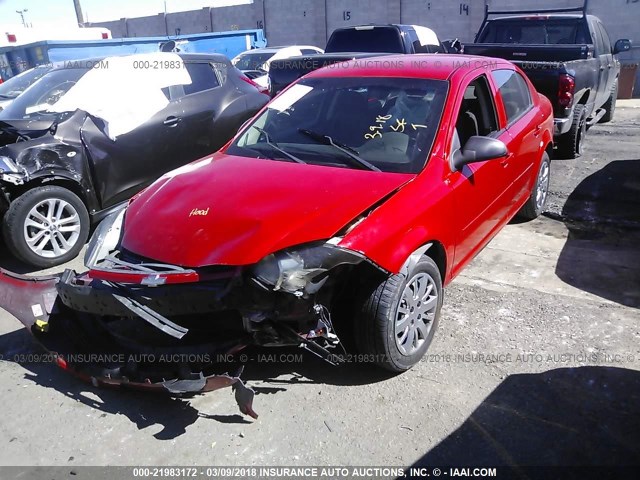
(340, 210)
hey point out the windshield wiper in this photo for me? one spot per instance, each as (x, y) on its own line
(275, 146)
(347, 150)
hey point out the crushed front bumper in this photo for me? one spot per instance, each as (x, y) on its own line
(82, 346)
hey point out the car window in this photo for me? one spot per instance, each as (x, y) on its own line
(477, 114)
(251, 61)
(42, 94)
(514, 91)
(203, 78)
(16, 85)
(389, 122)
(536, 32)
(366, 39)
(418, 47)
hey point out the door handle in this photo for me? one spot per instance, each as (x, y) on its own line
(602, 68)
(171, 121)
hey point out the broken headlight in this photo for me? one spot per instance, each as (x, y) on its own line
(105, 239)
(302, 269)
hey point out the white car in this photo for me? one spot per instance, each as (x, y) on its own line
(255, 63)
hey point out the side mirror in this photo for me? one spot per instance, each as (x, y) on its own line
(622, 45)
(478, 149)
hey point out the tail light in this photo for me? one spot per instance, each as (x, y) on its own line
(11, 38)
(566, 87)
(105, 35)
(260, 88)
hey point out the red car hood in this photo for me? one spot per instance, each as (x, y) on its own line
(227, 210)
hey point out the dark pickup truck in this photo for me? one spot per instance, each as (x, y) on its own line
(350, 43)
(568, 57)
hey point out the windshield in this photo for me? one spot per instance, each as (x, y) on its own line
(252, 61)
(535, 32)
(375, 40)
(16, 85)
(46, 91)
(385, 123)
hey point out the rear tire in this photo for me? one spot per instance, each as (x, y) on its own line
(538, 198)
(46, 226)
(610, 104)
(397, 321)
(570, 144)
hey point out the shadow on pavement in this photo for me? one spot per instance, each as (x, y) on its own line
(176, 414)
(582, 416)
(602, 252)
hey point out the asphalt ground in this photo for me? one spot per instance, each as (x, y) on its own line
(536, 362)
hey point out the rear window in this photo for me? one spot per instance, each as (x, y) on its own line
(376, 40)
(202, 78)
(536, 32)
(252, 61)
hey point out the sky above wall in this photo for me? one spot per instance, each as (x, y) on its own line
(44, 13)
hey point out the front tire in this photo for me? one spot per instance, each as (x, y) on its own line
(46, 226)
(397, 321)
(538, 198)
(570, 144)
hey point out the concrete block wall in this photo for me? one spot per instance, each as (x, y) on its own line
(448, 19)
(311, 21)
(238, 17)
(146, 26)
(288, 22)
(118, 27)
(194, 21)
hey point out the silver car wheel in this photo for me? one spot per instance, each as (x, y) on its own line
(542, 185)
(52, 228)
(415, 313)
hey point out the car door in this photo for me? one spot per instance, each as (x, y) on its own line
(203, 103)
(479, 189)
(124, 166)
(524, 125)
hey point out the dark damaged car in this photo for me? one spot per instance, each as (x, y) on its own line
(90, 134)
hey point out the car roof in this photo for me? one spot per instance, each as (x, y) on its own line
(428, 65)
(540, 16)
(277, 49)
(261, 50)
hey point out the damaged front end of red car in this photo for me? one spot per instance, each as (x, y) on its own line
(131, 323)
